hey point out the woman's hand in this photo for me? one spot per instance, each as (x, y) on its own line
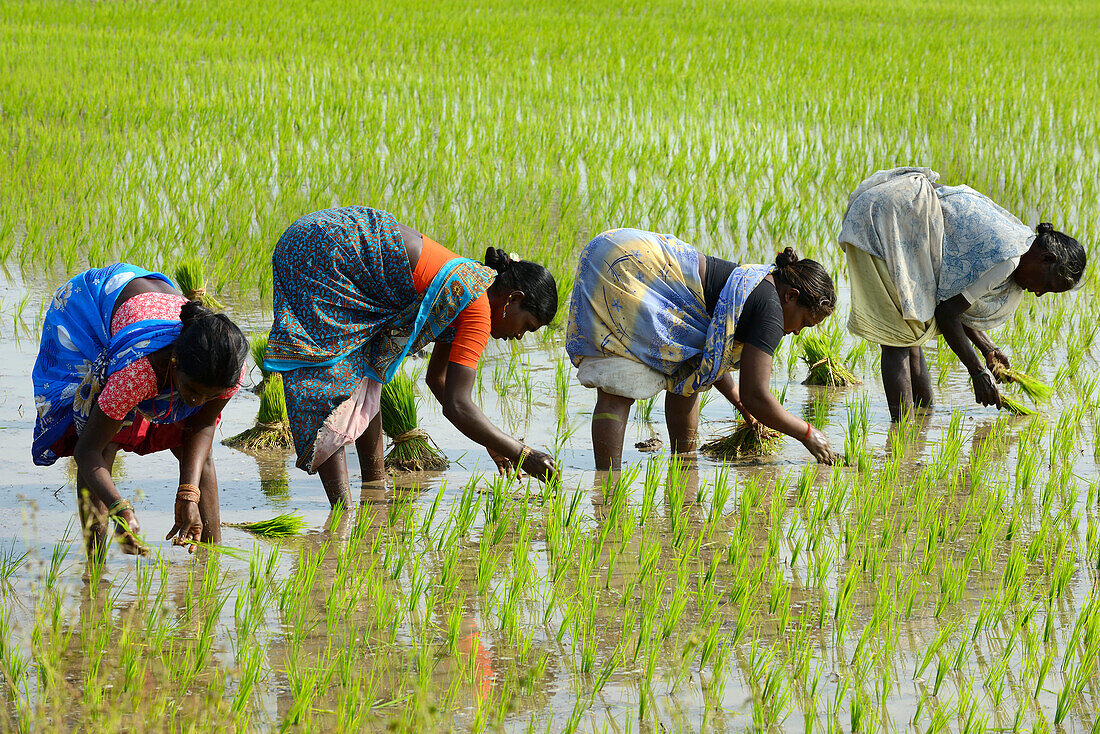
(818, 446)
(188, 525)
(985, 389)
(997, 362)
(504, 464)
(540, 465)
(127, 530)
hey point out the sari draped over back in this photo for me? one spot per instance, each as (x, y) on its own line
(346, 309)
(637, 296)
(77, 355)
(927, 244)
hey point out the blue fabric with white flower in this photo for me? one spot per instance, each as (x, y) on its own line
(77, 355)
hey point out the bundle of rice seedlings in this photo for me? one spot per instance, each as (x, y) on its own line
(272, 429)
(280, 526)
(1015, 405)
(745, 441)
(192, 282)
(1034, 388)
(412, 449)
(821, 351)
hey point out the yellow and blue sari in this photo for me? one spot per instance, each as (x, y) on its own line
(637, 295)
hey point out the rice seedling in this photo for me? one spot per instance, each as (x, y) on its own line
(1034, 388)
(271, 431)
(190, 276)
(821, 351)
(1016, 406)
(412, 449)
(285, 525)
(746, 440)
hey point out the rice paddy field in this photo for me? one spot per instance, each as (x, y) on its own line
(944, 578)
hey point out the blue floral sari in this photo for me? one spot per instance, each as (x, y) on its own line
(346, 308)
(77, 355)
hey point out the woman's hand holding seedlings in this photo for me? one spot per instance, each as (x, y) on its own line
(188, 525)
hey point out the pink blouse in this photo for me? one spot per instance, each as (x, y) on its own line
(137, 381)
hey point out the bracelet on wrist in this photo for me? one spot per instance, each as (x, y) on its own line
(119, 506)
(523, 454)
(809, 431)
(983, 371)
(188, 493)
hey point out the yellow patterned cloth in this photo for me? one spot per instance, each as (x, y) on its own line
(638, 296)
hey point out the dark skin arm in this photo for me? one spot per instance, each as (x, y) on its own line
(89, 455)
(197, 441)
(727, 388)
(453, 384)
(957, 338)
(756, 372)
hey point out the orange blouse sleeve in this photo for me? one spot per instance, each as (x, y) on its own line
(472, 323)
(471, 333)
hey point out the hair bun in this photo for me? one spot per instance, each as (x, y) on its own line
(192, 311)
(497, 259)
(1044, 228)
(788, 257)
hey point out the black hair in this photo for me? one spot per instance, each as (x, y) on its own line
(1069, 256)
(210, 348)
(540, 292)
(815, 288)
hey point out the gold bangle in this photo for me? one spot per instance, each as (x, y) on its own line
(188, 493)
(523, 454)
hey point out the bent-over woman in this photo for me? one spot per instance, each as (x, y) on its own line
(924, 259)
(650, 313)
(354, 294)
(127, 362)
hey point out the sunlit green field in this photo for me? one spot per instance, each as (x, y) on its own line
(945, 579)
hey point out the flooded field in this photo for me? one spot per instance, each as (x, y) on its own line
(944, 578)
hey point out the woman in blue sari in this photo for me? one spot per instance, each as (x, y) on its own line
(650, 313)
(127, 362)
(354, 294)
(925, 259)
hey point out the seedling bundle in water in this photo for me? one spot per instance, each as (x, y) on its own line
(745, 441)
(272, 429)
(821, 351)
(191, 279)
(280, 526)
(412, 449)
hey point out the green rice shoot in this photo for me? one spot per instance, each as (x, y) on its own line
(745, 442)
(1014, 405)
(257, 346)
(272, 429)
(1034, 388)
(821, 350)
(191, 278)
(412, 449)
(285, 525)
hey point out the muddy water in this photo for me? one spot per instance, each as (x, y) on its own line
(37, 509)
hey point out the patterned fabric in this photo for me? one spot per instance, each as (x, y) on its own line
(145, 306)
(77, 356)
(637, 295)
(345, 307)
(935, 242)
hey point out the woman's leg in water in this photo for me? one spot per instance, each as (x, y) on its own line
(609, 428)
